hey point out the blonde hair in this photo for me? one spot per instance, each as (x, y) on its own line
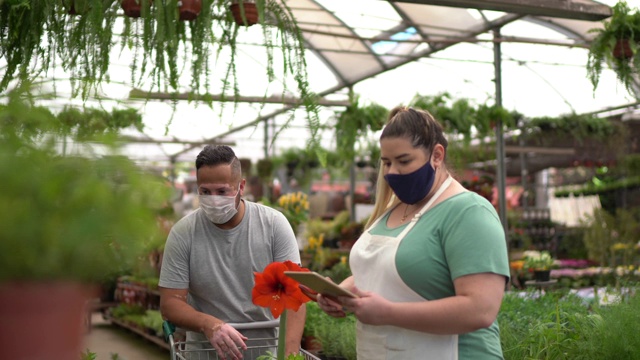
(423, 131)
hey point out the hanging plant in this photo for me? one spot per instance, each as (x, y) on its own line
(355, 123)
(133, 8)
(189, 9)
(244, 13)
(616, 44)
(36, 39)
(461, 117)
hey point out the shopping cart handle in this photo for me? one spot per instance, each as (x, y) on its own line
(168, 329)
(269, 324)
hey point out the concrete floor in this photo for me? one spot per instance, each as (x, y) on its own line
(105, 340)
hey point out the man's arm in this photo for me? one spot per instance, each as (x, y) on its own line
(223, 337)
(174, 307)
(295, 327)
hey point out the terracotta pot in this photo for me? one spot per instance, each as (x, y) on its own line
(250, 13)
(132, 8)
(42, 320)
(189, 9)
(622, 50)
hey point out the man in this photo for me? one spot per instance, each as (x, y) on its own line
(211, 254)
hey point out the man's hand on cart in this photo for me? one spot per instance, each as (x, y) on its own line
(226, 340)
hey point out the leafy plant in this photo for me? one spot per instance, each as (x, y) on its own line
(354, 124)
(606, 235)
(459, 116)
(337, 335)
(338, 272)
(68, 217)
(624, 24)
(37, 37)
(560, 325)
(547, 327)
(537, 260)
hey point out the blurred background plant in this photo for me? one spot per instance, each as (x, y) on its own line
(294, 206)
(537, 260)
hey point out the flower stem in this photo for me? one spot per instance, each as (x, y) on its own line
(281, 335)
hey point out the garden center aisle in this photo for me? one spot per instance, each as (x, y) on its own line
(105, 339)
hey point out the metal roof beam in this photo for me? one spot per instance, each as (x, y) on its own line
(568, 9)
(143, 95)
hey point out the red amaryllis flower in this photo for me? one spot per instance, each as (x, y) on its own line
(275, 290)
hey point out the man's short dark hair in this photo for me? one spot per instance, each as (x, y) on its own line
(218, 154)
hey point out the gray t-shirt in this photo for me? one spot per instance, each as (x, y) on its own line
(217, 265)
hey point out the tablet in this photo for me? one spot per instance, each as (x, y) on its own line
(319, 283)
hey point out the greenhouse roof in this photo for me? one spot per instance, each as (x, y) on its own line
(387, 52)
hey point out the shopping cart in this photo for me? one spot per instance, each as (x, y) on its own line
(180, 350)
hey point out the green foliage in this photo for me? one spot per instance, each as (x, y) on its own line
(38, 36)
(314, 315)
(337, 335)
(548, 327)
(560, 326)
(355, 123)
(615, 337)
(68, 217)
(623, 24)
(338, 272)
(541, 260)
(88, 355)
(460, 116)
(122, 310)
(610, 238)
(571, 126)
(153, 320)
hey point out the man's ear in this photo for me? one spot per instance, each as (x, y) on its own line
(243, 183)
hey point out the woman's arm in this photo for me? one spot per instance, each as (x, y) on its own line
(295, 327)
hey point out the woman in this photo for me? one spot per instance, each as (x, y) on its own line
(431, 268)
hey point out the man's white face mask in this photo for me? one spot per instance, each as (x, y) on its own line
(219, 208)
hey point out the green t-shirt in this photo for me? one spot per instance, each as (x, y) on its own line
(460, 236)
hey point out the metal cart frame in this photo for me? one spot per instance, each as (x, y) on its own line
(179, 351)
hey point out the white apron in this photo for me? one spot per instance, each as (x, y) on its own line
(373, 259)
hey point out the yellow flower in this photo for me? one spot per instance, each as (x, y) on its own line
(620, 246)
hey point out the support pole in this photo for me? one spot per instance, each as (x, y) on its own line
(500, 153)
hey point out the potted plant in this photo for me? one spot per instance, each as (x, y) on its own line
(538, 262)
(133, 8)
(616, 44)
(245, 12)
(354, 124)
(189, 9)
(42, 38)
(68, 222)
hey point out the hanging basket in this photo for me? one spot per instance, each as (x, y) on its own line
(622, 50)
(133, 8)
(250, 13)
(189, 9)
